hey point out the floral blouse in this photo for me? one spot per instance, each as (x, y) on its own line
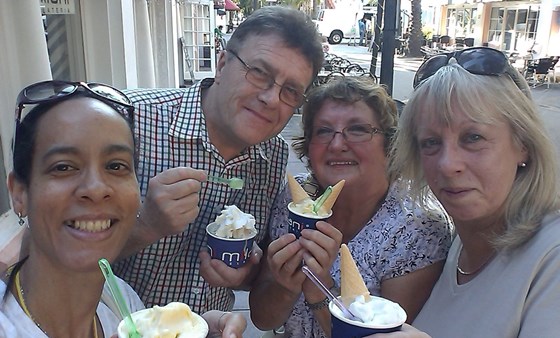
(400, 238)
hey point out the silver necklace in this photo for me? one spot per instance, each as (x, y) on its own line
(475, 271)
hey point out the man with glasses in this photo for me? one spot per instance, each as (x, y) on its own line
(225, 126)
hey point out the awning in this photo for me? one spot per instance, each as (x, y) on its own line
(231, 6)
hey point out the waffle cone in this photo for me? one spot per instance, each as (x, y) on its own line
(351, 282)
(329, 202)
(297, 192)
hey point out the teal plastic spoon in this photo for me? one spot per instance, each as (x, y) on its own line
(119, 299)
(319, 202)
(234, 182)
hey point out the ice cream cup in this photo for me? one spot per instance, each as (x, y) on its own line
(298, 221)
(342, 327)
(232, 251)
(151, 325)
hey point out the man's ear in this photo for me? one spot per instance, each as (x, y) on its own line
(18, 194)
(222, 56)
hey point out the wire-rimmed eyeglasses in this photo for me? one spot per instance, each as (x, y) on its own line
(354, 134)
(262, 80)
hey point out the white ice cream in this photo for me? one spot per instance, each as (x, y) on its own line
(305, 208)
(377, 311)
(175, 320)
(234, 223)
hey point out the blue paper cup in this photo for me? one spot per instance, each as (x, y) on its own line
(342, 327)
(232, 251)
(297, 221)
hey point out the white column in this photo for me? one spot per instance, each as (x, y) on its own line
(144, 50)
(24, 61)
(108, 29)
(165, 40)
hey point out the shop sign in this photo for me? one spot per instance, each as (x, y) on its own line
(58, 7)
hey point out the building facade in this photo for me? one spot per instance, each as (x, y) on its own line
(510, 26)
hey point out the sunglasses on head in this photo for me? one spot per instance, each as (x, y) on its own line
(51, 91)
(475, 60)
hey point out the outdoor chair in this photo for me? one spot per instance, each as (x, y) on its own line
(539, 71)
(444, 40)
(459, 42)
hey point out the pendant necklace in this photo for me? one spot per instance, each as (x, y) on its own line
(21, 299)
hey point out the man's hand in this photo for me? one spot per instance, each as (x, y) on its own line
(217, 273)
(172, 201)
(170, 205)
(406, 331)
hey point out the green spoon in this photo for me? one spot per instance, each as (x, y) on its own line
(319, 202)
(119, 299)
(234, 182)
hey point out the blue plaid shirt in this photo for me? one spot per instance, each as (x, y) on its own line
(171, 132)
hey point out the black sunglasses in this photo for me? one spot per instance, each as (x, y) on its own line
(475, 60)
(51, 91)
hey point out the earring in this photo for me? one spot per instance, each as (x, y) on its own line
(21, 221)
(522, 164)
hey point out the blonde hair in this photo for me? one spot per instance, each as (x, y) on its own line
(485, 99)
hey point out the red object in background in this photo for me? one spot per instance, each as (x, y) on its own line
(231, 6)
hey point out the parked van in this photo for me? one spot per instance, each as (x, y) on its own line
(338, 23)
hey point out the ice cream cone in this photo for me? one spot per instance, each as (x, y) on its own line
(297, 192)
(351, 282)
(329, 202)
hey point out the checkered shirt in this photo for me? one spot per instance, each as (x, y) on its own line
(171, 132)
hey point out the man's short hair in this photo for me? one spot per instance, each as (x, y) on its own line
(294, 27)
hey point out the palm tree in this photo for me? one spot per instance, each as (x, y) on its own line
(292, 3)
(416, 36)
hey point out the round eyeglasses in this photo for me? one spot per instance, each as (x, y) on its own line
(354, 134)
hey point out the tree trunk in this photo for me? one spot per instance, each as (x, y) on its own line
(315, 9)
(416, 36)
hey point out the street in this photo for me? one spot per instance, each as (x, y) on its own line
(403, 71)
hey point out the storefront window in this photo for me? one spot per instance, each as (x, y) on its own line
(513, 29)
(461, 22)
(63, 33)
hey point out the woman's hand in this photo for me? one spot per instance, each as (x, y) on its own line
(321, 249)
(406, 331)
(225, 324)
(284, 257)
